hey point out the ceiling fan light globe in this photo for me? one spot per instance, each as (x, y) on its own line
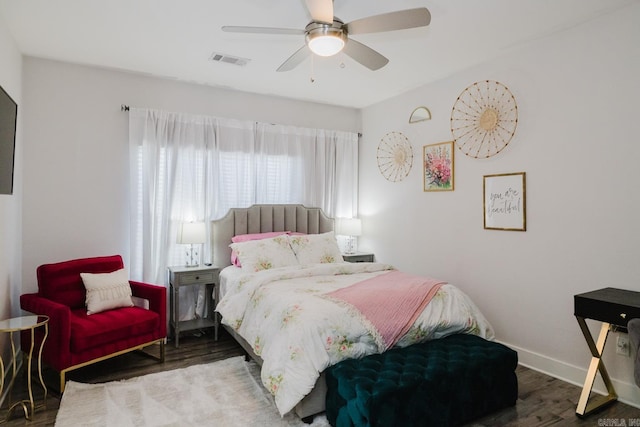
(326, 45)
(324, 39)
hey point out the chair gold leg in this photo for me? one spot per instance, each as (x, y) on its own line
(586, 406)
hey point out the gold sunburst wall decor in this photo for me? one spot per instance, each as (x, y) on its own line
(484, 119)
(395, 156)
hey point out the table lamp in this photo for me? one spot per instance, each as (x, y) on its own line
(192, 233)
(351, 228)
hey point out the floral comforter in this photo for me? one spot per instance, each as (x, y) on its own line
(298, 333)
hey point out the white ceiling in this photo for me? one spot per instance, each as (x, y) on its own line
(175, 38)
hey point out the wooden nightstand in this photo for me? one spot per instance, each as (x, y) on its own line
(358, 257)
(189, 276)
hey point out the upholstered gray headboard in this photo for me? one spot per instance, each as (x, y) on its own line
(262, 219)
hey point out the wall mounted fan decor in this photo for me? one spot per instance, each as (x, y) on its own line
(395, 156)
(484, 119)
(327, 35)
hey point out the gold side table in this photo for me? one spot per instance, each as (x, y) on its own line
(19, 324)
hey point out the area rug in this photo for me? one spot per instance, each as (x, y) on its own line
(224, 393)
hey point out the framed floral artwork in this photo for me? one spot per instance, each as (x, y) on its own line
(504, 202)
(438, 162)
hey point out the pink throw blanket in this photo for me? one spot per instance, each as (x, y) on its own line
(390, 302)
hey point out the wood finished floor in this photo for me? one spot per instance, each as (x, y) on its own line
(542, 401)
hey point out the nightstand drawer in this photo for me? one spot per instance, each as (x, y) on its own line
(610, 305)
(358, 257)
(195, 278)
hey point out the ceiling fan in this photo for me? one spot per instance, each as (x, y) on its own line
(327, 35)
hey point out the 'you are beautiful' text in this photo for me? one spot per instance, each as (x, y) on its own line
(507, 202)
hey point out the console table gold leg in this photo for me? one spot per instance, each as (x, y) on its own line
(584, 405)
(44, 387)
(21, 324)
(14, 374)
(28, 413)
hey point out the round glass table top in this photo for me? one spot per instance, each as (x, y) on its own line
(22, 323)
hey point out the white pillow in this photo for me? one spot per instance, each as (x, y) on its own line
(106, 291)
(265, 254)
(316, 248)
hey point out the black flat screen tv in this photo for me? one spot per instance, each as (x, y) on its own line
(8, 116)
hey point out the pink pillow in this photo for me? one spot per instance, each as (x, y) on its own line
(247, 237)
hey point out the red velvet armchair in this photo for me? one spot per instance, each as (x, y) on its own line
(77, 339)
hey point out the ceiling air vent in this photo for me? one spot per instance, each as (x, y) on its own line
(229, 59)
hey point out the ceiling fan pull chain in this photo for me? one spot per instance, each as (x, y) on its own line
(312, 78)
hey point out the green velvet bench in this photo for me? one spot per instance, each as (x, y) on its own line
(444, 382)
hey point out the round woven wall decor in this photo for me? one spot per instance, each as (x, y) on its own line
(484, 119)
(395, 156)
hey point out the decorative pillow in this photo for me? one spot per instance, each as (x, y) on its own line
(249, 237)
(316, 248)
(257, 255)
(106, 291)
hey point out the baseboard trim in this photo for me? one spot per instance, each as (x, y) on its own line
(627, 392)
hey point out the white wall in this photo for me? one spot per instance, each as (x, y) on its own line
(10, 205)
(76, 150)
(578, 142)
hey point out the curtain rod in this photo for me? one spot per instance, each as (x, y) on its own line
(124, 107)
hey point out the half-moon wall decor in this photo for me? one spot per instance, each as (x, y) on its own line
(484, 119)
(420, 114)
(395, 156)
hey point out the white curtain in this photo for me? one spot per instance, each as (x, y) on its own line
(195, 168)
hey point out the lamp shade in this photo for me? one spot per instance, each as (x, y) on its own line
(191, 233)
(348, 226)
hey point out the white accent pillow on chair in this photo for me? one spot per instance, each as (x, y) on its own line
(106, 291)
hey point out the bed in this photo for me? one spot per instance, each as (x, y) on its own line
(291, 319)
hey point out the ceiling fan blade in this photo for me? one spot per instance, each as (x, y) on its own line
(294, 60)
(365, 55)
(321, 10)
(262, 30)
(403, 19)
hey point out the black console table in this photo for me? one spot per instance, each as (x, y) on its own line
(614, 308)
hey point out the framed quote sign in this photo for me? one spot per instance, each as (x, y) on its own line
(504, 202)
